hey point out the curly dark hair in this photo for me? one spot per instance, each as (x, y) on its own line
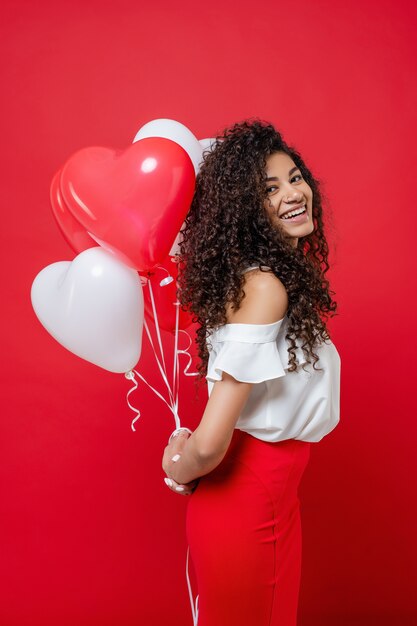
(228, 228)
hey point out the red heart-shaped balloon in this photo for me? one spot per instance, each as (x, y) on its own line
(132, 202)
(74, 233)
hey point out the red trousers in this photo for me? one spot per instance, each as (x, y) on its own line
(244, 533)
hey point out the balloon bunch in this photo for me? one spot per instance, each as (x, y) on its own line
(121, 211)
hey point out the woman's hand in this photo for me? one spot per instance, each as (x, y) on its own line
(174, 448)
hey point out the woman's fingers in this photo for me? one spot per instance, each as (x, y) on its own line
(180, 433)
(174, 486)
(183, 490)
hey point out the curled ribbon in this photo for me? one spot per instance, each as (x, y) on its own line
(172, 390)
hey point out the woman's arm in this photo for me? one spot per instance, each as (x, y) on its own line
(205, 448)
(265, 302)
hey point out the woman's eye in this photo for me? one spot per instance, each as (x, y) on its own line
(295, 179)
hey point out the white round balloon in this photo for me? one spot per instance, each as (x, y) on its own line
(176, 245)
(175, 131)
(93, 306)
(207, 143)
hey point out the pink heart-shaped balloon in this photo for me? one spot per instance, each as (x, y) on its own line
(132, 202)
(93, 306)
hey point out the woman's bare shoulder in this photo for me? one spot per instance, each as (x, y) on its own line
(265, 300)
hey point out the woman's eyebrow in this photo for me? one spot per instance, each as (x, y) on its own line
(289, 174)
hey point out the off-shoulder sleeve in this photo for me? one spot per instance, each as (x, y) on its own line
(248, 352)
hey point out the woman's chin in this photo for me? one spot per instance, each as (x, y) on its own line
(300, 230)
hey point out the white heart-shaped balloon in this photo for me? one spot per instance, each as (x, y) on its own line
(93, 306)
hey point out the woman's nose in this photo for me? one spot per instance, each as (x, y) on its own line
(292, 195)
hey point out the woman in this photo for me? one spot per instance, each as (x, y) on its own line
(254, 259)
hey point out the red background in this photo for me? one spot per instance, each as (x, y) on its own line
(90, 534)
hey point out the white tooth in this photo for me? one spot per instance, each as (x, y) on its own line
(295, 212)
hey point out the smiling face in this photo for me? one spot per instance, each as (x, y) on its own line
(289, 202)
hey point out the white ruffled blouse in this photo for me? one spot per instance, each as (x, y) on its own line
(282, 405)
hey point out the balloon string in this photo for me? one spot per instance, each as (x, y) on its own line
(173, 392)
(161, 368)
(155, 316)
(190, 358)
(173, 405)
(194, 606)
(175, 374)
(174, 370)
(159, 396)
(190, 341)
(130, 376)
